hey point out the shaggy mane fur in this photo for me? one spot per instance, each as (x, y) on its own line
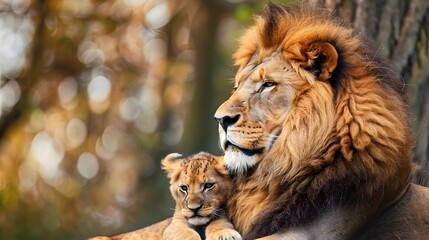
(367, 154)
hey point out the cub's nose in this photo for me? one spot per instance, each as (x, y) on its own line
(195, 208)
(226, 121)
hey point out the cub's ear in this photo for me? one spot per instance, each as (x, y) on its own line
(219, 165)
(320, 58)
(171, 165)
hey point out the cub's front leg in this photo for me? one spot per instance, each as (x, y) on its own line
(179, 230)
(221, 229)
(179, 233)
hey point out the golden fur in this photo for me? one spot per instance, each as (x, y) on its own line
(316, 127)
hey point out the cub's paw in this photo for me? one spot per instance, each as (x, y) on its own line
(189, 237)
(224, 234)
(183, 234)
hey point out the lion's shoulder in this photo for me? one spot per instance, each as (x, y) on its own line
(408, 218)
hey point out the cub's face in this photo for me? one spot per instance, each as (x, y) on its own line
(199, 185)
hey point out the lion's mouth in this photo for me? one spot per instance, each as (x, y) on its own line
(198, 220)
(248, 152)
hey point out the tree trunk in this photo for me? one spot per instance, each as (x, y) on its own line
(401, 30)
(198, 131)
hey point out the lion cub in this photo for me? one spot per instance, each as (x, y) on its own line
(200, 186)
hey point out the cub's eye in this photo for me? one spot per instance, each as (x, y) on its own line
(183, 188)
(208, 186)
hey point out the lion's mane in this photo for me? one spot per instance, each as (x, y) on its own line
(367, 154)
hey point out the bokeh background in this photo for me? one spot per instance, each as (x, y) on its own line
(94, 93)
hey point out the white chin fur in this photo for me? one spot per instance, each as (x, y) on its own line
(238, 162)
(197, 221)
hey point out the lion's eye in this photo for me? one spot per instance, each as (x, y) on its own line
(267, 84)
(208, 186)
(184, 188)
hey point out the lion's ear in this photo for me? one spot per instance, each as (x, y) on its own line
(319, 58)
(171, 165)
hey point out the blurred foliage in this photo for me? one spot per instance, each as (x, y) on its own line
(93, 94)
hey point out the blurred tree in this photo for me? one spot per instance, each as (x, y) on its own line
(401, 30)
(200, 129)
(83, 86)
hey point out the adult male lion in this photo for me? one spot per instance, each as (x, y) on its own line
(317, 135)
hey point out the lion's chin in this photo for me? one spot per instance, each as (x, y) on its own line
(238, 160)
(198, 220)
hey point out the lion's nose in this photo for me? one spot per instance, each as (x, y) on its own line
(227, 121)
(195, 207)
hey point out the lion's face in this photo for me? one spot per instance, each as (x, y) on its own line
(199, 185)
(251, 120)
(280, 94)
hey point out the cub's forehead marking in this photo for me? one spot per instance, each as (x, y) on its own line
(196, 169)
